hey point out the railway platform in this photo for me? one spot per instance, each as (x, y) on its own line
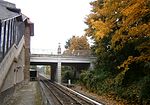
(29, 94)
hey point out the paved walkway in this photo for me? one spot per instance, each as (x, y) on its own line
(27, 95)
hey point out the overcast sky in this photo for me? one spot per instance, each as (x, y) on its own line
(55, 20)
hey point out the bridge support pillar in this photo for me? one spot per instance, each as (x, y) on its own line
(59, 71)
(91, 66)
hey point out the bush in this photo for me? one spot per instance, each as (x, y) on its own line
(97, 80)
(144, 94)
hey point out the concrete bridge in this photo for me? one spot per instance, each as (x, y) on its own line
(56, 61)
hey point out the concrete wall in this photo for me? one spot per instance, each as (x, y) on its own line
(14, 77)
(15, 74)
(10, 58)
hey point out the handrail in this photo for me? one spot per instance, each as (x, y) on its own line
(11, 33)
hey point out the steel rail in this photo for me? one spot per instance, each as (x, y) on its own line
(59, 101)
(66, 98)
(78, 98)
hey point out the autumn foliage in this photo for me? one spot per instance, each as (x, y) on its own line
(77, 43)
(121, 31)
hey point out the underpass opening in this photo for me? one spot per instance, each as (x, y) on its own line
(47, 70)
(33, 73)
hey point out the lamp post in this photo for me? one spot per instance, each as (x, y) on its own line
(59, 49)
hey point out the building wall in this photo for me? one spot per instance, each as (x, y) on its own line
(18, 72)
(27, 53)
(15, 34)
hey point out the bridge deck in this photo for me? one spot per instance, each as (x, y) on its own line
(62, 58)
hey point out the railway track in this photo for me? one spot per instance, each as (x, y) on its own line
(64, 97)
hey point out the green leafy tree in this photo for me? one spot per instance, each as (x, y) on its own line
(67, 74)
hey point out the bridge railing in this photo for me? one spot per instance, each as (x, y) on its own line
(55, 55)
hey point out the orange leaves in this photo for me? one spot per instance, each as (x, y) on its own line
(101, 29)
(134, 11)
(140, 30)
(133, 6)
(125, 34)
(130, 9)
(123, 21)
(131, 59)
(125, 66)
(79, 43)
(126, 63)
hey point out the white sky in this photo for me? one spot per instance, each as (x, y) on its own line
(55, 21)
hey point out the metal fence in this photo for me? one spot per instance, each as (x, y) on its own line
(11, 32)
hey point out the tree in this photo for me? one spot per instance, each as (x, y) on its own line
(47, 70)
(77, 43)
(67, 73)
(121, 30)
